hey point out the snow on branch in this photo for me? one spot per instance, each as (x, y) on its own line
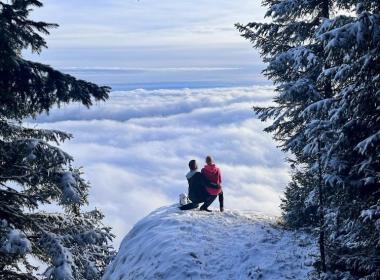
(13, 130)
(317, 107)
(62, 261)
(15, 242)
(368, 143)
(69, 186)
(288, 9)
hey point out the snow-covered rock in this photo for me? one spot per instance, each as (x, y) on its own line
(174, 244)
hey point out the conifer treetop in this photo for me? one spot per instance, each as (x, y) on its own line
(29, 88)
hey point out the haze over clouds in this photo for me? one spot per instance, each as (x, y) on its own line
(148, 33)
(135, 148)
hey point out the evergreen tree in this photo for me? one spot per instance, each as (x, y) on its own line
(296, 59)
(352, 45)
(34, 171)
(335, 136)
(300, 203)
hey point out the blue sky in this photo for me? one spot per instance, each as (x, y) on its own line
(149, 33)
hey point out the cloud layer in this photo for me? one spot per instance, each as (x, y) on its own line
(135, 148)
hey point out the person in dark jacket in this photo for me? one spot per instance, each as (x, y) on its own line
(198, 185)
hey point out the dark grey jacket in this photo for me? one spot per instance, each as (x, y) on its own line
(197, 186)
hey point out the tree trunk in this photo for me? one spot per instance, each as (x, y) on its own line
(325, 13)
(321, 211)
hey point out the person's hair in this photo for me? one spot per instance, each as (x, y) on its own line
(192, 164)
(209, 160)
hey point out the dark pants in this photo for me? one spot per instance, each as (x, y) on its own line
(221, 200)
(207, 202)
(211, 199)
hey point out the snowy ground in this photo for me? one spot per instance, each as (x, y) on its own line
(173, 244)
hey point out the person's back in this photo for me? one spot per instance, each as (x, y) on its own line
(197, 187)
(197, 184)
(213, 174)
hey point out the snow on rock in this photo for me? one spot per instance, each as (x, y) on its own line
(173, 244)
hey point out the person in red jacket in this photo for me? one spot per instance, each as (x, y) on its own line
(213, 174)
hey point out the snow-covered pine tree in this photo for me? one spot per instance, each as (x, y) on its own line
(296, 59)
(34, 171)
(336, 134)
(300, 204)
(352, 47)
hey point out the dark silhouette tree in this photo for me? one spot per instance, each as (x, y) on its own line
(34, 171)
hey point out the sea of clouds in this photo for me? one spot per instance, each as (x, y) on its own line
(136, 146)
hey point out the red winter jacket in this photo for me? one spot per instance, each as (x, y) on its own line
(212, 173)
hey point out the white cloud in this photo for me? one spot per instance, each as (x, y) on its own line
(147, 22)
(135, 148)
(148, 33)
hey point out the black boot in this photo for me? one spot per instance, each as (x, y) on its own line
(204, 209)
(189, 206)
